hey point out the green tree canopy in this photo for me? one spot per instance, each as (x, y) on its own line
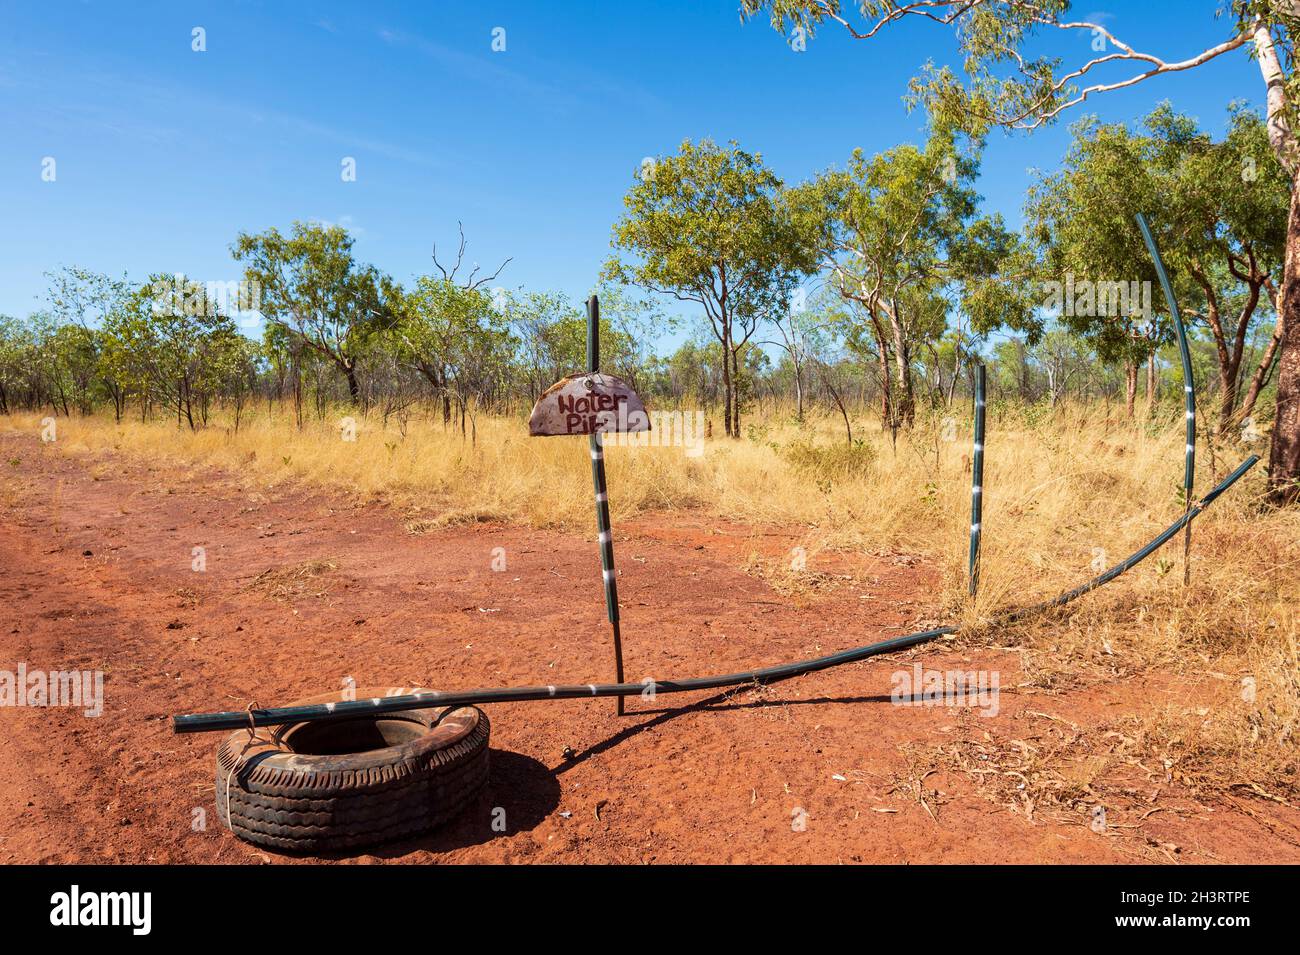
(310, 283)
(1219, 211)
(714, 226)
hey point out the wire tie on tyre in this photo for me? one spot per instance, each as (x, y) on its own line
(239, 760)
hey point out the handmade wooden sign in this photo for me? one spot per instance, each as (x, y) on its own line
(588, 403)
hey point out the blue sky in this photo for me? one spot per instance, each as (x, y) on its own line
(163, 154)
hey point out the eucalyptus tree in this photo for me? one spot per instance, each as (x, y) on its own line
(693, 372)
(80, 301)
(541, 356)
(901, 235)
(13, 346)
(71, 355)
(24, 379)
(1064, 358)
(804, 330)
(455, 338)
(1013, 81)
(550, 335)
(1226, 203)
(1094, 266)
(310, 284)
(630, 328)
(1221, 226)
(174, 347)
(48, 362)
(865, 338)
(712, 225)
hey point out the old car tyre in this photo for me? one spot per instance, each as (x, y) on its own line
(343, 784)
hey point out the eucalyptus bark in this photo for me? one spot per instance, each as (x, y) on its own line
(1264, 370)
(904, 400)
(1130, 387)
(1284, 454)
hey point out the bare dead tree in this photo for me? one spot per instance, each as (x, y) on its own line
(469, 283)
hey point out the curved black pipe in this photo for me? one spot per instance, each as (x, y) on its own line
(1184, 355)
(1189, 387)
(1139, 555)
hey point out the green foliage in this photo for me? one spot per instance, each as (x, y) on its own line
(171, 345)
(453, 335)
(917, 281)
(551, 334)
(1219, 211)
(712, 225)
(903, 231)
(309, 283)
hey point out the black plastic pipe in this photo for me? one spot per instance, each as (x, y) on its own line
(977, 483)
(1189, 387)
(209, 722)
(203, 722)
(1140, 555)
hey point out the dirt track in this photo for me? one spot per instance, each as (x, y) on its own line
(96, 573)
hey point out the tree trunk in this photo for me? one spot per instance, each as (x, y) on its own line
(1284, 455)
(798, 390)
(1228, 353)
(354, 386)
(735, 393)
(297, 396)
(886, 390)
(726, 378)
(1130, 386)
(1263, 370)
(1227, 395)
(904, 403)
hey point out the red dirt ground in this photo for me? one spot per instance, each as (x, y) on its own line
(95, 573)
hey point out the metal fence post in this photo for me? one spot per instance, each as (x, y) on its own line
(602, 501)
(977, 481)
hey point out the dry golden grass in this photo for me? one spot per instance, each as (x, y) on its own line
(791, 578)
(289, 583)
(1068, 492)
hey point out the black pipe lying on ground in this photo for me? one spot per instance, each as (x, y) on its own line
(208, 722)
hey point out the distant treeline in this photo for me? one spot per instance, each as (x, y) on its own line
(876, 288)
